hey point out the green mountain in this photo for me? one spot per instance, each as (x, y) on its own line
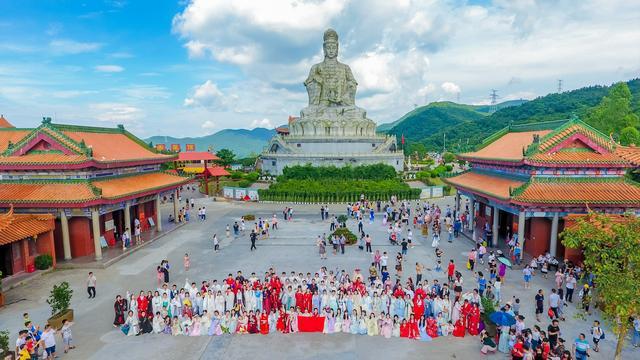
(241, 141)
(465, 126)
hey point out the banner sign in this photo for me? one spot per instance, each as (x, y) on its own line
(175, 147)
(190, 147)
(161, 147)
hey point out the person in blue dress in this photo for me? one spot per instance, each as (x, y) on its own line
(422, 328)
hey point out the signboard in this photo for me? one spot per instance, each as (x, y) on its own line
(151, 222)
(103, 242)
(437, 191)
(175, 147)
(240, 194)
(161, 147)
(228, 192)
(190, 147)
(108, 225)
(253, 194)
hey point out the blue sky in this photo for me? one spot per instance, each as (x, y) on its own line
(193, 67)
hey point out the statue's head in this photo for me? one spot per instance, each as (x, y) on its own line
(330, 45)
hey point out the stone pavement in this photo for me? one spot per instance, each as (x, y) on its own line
(290, 248)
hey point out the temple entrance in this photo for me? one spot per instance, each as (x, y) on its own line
(6, 260)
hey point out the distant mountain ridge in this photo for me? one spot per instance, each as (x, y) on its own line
(459, 127)
(242, 142)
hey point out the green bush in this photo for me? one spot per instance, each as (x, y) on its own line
(332, 190)
(448, 167)
(362, 172)
(350, 237)
(4, 343)
(249, 217)
(43, 261)
(245, 183)
(342, 219)
(236, 175)
(60, 298)
(252, 176)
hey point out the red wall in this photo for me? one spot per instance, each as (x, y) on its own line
(539, 234)
(80, 236)
(57, 240)
(45, 245)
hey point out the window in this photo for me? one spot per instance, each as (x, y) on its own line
(273, 163)
(373, 145)
(298, 145)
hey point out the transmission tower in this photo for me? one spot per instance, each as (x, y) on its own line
(559, 86)
(494, 97)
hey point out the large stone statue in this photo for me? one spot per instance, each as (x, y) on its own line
(331, 83)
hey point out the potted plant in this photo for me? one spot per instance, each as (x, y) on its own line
(59, 300)
(342, 219)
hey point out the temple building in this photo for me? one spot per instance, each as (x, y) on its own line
(331, 130)
(94, 182)
(528, 179)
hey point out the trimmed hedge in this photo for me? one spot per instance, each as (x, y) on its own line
(337, 190)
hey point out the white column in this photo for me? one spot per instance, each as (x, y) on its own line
(95, 222)
(553, 243)
(127, 217)
(521, 223)
(496, 218)
(158, 214)
(66, 244)
(472, 219)
(175, 206)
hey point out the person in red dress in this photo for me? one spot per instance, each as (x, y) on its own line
(465, 311)
(143, 303)
(307, 300)
(432, 327)
(474, 320)
(418, 305)
(404, 329)
(458, 329)
(266, 300)
(252, 323)
(414, 332)
(264, 323)
(299, 296)
(282, 321)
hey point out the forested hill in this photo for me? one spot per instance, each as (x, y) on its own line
(465, 126)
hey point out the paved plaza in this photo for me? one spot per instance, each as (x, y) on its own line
(292, 247)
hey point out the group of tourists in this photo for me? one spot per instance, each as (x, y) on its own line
(338, 301)
(34, 342)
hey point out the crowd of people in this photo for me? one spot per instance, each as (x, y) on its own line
(34, 342)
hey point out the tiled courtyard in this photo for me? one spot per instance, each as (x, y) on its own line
(292, 247)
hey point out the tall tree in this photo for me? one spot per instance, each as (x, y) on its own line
(226, 157)
(611, 249)
(614, 113)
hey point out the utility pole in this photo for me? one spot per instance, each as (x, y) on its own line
(559, 86)
(494, 97)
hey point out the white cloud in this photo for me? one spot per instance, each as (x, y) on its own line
(263, 123)
(109, 68)
(450, 88)
(72, 47)
(116, 112)
(207, 95)
(121, 55)
(208, 125)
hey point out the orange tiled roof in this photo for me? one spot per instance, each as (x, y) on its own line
(508, 147)
(4, 123)
(490, 185)
(629, 153)
(570, 129)
(12, 135)
(130, 185)
(46, 192)
(579, 191)
(113, 146)
(578, 157)
(217, 171)
(14, 227)
(43, 158)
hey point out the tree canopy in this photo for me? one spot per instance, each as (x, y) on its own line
(226, 157)
(611, 247)
(614, 115)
